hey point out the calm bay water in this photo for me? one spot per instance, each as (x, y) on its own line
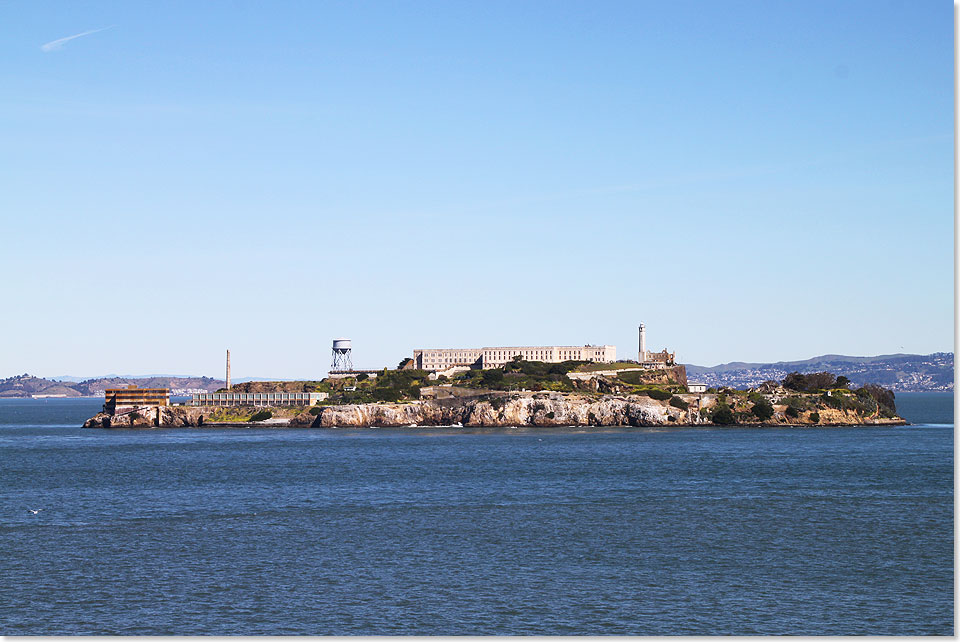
(234, 531)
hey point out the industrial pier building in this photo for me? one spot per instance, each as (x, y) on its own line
(445, 358)
(257, 398)
(133, 397)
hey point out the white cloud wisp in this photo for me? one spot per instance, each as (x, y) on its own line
(53, 45)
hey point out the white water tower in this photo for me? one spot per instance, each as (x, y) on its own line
(342, 355)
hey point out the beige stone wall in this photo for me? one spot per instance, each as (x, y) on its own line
(658, 357)
(446, 358)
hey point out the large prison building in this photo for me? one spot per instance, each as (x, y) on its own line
(445, 358)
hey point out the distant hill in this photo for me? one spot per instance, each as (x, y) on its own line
(26, 385)
(72, 379)
(899, 372)
(136, 378)
(177, 385)
(29, 386)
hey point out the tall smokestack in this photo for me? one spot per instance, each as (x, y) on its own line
(643, 343)
(228, 370)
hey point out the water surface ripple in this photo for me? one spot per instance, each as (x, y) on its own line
(681, 531)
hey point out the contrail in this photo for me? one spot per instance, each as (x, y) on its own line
(53, 45)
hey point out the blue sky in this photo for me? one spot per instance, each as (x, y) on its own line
(755, 181)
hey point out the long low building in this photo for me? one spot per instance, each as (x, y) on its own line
(257, 398)
(445, 358)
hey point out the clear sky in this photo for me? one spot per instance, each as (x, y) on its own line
(755, 181)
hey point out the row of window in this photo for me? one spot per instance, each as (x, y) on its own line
(465, 355)
(136, 394)
(129, 397)
(499, 357)
(255, 395)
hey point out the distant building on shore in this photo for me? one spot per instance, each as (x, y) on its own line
(133, 397)
(446, 358)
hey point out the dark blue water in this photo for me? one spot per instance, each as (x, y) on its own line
(926, 407)
(217, 531)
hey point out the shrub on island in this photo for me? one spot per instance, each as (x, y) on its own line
(654, 393)
(810, 382)
(762, 409)
(723, 416)
(261, 416)
(885, 399)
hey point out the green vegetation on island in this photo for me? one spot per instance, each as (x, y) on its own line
(592, 366)
(521, 375)
(797, 398)
(802, 395)
(389, 386)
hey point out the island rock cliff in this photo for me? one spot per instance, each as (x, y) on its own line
(508, 410)
(150, 417)
(520, 410)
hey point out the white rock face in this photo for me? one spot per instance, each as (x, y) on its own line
(515, 409)
(520, 410)
(149, 417)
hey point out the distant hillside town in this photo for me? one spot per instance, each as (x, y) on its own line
(898, 372)
(27, 386)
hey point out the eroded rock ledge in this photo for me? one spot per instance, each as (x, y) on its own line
(520, 409)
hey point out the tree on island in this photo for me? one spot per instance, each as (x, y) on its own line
(723, 416)
(886, 400)
(811, 382)
(762, 409)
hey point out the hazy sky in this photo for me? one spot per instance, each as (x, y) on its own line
(753, 180)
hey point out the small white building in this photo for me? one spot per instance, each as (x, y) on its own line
(697, 387)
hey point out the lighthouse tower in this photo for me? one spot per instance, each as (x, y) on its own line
(643, 344)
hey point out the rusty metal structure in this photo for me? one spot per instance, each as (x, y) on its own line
(135, 397)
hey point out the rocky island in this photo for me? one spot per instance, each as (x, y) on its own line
(524, 393)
